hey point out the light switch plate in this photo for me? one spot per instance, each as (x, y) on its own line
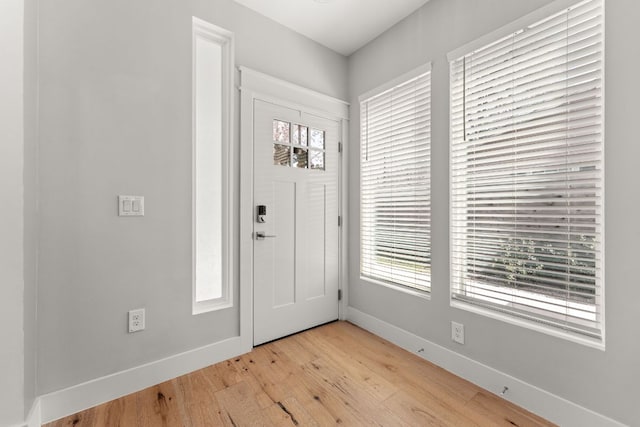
(130, 205)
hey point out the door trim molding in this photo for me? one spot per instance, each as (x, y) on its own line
(256, 85)
(289, 95)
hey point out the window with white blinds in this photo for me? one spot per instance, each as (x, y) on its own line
(527, 175)
(395, 245)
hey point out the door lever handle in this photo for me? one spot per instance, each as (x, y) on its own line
(260, 235)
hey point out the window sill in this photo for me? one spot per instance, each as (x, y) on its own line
(211, 305)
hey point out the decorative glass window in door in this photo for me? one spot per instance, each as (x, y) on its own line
(298, 146)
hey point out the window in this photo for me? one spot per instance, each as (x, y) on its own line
(395, 245)
(527, 174)
(297, 146)
(212, 83)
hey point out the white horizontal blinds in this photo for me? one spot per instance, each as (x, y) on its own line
(395, 185)
(527, 172)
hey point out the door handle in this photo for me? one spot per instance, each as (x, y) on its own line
(260, 235)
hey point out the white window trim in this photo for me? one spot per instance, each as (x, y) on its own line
(523, 22)
(422, 69)
(202, 30)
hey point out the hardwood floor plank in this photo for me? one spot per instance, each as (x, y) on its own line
(502, 413)
(346, 360)
(265, 367)
(157, 406)
(240, 407)
(339, 409)
(198, 387)
(295, 351)
(121, 412)
(282, 378)
(398, 365)
(206, 415)
(425, 382)
(337, 374)
(228, 372)
(298, 414)
(355, 396)
(279, 416)
(425, 412)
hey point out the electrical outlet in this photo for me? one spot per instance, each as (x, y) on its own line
(457, 332)
(136, 320)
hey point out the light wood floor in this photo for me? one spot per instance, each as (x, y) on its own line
(334, 374)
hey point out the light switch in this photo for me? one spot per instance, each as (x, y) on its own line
(131, 205)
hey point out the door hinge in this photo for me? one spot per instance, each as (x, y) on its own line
(339, 294)
(339, 147)
(339, 221)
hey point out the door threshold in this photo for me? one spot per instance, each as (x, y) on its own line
(296, 333)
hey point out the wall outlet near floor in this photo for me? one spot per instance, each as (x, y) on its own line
(457, 332)
(136, 320)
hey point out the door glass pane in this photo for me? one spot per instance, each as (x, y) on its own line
(281, 155)
(295, 134)
(300, 158)
(316, 159)
(280, 131)
(317, 139)
(299, 135)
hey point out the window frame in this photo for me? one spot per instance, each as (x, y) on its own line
(509, 29)
(223, 42)
(390, 85)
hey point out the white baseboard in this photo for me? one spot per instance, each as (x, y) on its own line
(61, 403)
(34, 419)
(547, 405)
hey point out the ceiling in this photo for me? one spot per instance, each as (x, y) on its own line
(341, 25)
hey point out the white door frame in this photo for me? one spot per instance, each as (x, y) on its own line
(256, 85)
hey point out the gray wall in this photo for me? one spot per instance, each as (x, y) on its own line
(11, 226)
(603, 381)
(30, 198)
(115, 118)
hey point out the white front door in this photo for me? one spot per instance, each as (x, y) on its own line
(295, 233)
